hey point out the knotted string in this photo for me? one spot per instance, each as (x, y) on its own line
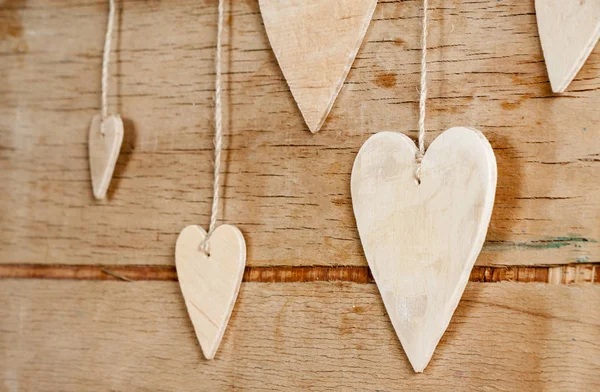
(106, 60)
(423, 94)
(218, 134)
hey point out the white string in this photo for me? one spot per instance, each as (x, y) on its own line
(218, 132)
(423, 94)
(106, 59)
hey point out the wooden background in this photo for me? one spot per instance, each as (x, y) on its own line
(88, 292)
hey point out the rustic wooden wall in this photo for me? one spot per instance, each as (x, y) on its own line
(288, 191)
(292, 336)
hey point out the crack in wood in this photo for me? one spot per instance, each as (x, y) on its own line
(561, 274)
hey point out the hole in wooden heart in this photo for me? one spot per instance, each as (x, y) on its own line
(206, 253)
(418, 161)
(204, 248)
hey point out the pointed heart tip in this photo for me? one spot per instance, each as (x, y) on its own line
(559, 83)
(313, 129)
(419, 365)
(99, 195)
(558, 88)
(208, 354)
(314, 123)
(420, 355)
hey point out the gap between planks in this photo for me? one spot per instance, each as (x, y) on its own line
(562, 274)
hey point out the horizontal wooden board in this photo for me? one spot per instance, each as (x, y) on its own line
(75, 336)
(288, 190)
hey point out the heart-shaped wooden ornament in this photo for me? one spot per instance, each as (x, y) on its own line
(315, 42)
(210, 283)
(104, 144)
(421, 240)
(569, 30)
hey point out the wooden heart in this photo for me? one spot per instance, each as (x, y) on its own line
(104, 150)
(210, 284)
(569, 30)
(315, 42)
(421, 240)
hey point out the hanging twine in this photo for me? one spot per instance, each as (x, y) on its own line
(218, 133)
(106, 60)
(423, 94)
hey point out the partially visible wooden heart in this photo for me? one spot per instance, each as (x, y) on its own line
(104, 144)
(210, 283)
(315, 42)
(421, 240)
(569, 30)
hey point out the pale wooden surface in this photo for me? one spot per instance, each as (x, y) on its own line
(421, 239)
(569, 31)
(210, 282)
(104, 143)
(292, 336)
(315, 43)
(287, 189)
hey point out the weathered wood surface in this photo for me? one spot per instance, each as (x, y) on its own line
(297, 336)
(286, 189)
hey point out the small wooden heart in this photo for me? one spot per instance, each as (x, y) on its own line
(210, 284)
(421, 240)
(315, 42)
(104, 144)
(569, 30)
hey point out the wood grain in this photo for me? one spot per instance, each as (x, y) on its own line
(75, 336)
(287, 190)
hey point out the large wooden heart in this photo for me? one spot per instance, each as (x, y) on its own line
(569, 30)
(315, 42)
(421, 240)
(210, 284)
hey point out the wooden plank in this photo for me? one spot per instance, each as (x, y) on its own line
(297, 336)
(286, 189)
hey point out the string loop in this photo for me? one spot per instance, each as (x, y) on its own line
(218, 141)
(422, 95)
